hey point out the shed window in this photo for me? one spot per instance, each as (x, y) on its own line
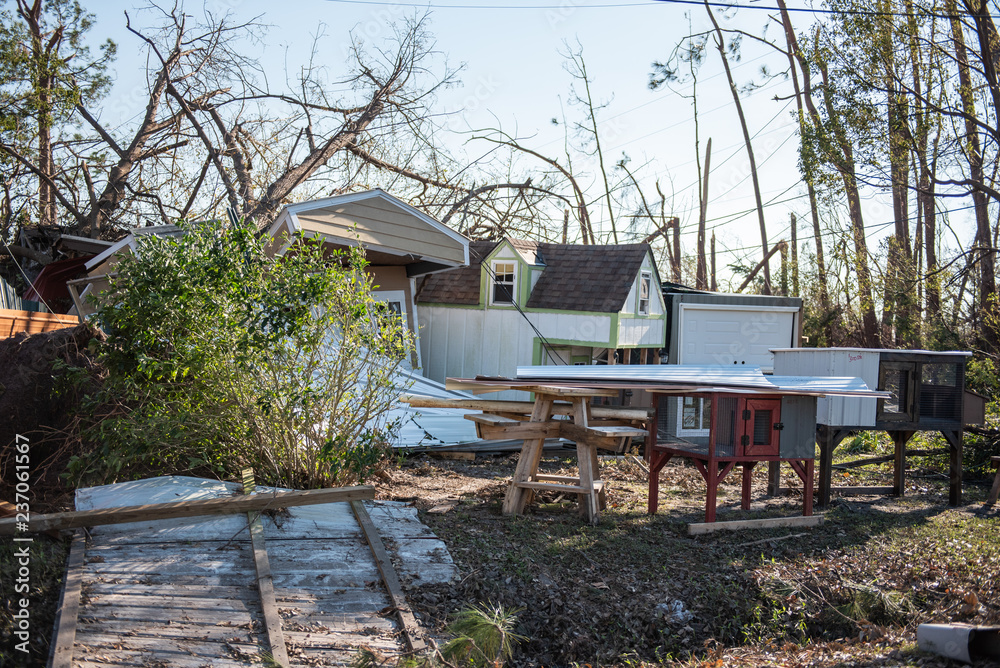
(645, 280)
(504, 282)
(941, 390)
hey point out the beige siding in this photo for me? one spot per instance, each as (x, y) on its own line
(376, 223)
(277, 241)
(101, 284)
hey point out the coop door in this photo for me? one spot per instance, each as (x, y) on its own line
(761, 425)
(899, 379)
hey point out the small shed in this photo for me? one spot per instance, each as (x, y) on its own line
(926, 393)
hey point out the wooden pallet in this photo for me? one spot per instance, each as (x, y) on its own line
(302, 586)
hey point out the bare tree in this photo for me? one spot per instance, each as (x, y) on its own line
(214, 134)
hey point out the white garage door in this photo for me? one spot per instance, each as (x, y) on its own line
(743, 335)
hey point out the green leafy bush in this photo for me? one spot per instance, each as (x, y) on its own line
(220, 357)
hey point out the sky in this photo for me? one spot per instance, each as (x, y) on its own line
(513, 77)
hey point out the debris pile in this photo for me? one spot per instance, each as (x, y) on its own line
(37, 396)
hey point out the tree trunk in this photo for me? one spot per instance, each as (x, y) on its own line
(866, 302)
(895, 316)
(701, 280)
(795, 255)
(715, 284)
(987, 277)
(844, 163)
(42, 53)
(676, 268)
(721, 46)
(800, 100)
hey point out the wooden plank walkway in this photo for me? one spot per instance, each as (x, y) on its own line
(183, 592)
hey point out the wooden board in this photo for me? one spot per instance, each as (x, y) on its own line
(265, 587)
(558, 391)
(132, 603)
(553, 487)
(61, 655)
(766, 523)
(158, 511)
(524, 407)
(491, 420)
(14, 321)
(410, 628)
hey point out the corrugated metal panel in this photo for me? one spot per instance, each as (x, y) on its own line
(798, 438)
(9, 298)
(11, 301)
(680, 374)
(827, 385)
(732, 298)
(890, 351)
(743, 377)
(430, 426)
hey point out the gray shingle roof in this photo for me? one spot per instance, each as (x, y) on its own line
(456, 286)
(575, 278)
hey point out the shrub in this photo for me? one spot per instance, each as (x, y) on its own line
(221, 357)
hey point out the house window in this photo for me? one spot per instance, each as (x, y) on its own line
(694, 416)
(504, 282)
(645, 281)
(390, 308)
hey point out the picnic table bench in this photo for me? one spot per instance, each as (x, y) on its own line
(556, 412)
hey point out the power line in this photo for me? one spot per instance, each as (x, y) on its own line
(722, 5)
(428, 5)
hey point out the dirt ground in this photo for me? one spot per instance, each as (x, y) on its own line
(635, 590)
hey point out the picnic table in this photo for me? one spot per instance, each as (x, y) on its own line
(556, 412)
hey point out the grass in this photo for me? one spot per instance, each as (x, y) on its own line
(46, 565)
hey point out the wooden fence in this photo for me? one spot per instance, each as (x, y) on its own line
(13, 322)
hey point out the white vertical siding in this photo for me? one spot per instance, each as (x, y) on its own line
(840, 362)
(466, 342)
(641, 332)
(630, 301)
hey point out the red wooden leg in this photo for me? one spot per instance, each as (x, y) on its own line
(713, 489)
(657, 460)
(747, 480)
